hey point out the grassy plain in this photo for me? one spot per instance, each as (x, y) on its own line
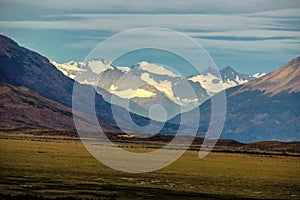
(62, 168)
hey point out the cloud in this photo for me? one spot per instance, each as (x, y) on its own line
(158, 6)
(181, 22)
(258, 46)
(246, 38)
(223, 27)
(264, 28)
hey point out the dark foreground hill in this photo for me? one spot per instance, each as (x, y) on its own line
(22, 110)
(23, 67)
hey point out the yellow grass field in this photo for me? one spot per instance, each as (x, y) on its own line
(62, 168)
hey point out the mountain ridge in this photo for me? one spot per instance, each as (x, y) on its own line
(145, 84)
(253, 112)
(23, 67)
(285, 79)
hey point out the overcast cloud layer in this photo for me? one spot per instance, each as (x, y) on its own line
(252, 36)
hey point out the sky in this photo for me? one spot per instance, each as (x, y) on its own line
(251, 36)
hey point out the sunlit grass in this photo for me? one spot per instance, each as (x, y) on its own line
(65, 168)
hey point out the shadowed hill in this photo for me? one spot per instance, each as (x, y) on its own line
(22, 109)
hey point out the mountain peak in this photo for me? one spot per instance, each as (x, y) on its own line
(8, 46)
(6, 39)
(230, 75)
(293, 63)
(210, 70)
(101, 60)
(155, 69)
(228, 68)
(284, 79)
(142, 63)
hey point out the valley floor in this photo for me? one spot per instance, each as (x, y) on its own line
(45, 167)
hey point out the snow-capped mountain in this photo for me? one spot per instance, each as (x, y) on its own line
(264, 109)
(155, 69)
(210, 79)
(258, 75)
(89, 72)
(69, 69)
(147, 83)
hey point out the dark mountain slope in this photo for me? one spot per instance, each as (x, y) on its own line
(23, 67)
(21, 109)
(267, 108)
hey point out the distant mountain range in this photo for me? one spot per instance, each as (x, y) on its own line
(146, 84)
(264, 109)
(36, 95)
